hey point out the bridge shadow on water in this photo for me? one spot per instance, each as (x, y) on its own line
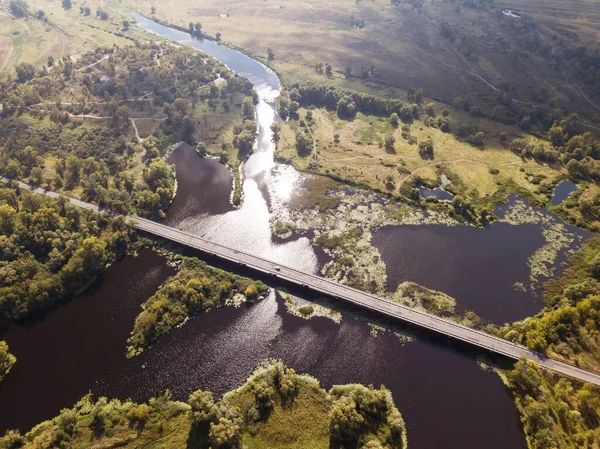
(461, 348)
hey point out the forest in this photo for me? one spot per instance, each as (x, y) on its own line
(69, 126)
(51, 249)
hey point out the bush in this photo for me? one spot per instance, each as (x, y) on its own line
(203, 406)
(306, 309)
(138, 413)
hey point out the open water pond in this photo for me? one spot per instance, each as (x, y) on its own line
(562, 192)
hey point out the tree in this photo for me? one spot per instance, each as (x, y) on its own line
(126, 24)
(8, 216)
(426, 149)
(348, 72)
(203, 406)
(345, 421)
(18, 8)
(389, 143)
(276, 129)
(304, 143)
(248, 108)
(153, 10)
(25, 72)
(430, 109)
(201, 148)
(218, 36)
(67, 4)
(328, 70)
(121, 117)
(346, 108)
(270, 54)
(36, 176)
(7, 360)
(226, 432)
(138, 413)
(394, 120)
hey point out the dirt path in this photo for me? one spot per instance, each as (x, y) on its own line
(429, 164)
(137, 134)
(92, 65)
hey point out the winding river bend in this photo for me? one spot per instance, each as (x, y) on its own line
(447, 400)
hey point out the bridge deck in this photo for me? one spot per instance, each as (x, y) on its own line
(351, 295)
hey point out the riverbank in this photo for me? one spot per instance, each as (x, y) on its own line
(275, 407)
(196, 288)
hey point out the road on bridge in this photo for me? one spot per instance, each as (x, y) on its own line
(343, 292)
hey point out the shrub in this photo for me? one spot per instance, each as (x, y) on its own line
(138, 413)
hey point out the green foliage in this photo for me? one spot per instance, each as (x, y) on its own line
(194, 289)
(7, 360)
(25, 72)
(304, 143)
(348, 103)
(109, 423)
(203, 406)
(50, 249)
(357, 413)
(42, 141)
(426, 149)
(555, 411)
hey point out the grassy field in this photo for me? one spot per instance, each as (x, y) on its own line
(66, 32)
(360, 156)
(404, 45)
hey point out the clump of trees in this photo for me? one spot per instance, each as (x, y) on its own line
(194, 289)
(96, 157)
(50, 249)
(346, 103)
(357, 411)
(555, 411)
(195, 30)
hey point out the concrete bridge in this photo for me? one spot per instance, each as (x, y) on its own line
(342, 292)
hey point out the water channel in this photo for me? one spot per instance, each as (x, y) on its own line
(447, 400)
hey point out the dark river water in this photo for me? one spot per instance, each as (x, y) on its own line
(448, 401)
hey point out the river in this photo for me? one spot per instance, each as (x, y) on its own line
(448, 401)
